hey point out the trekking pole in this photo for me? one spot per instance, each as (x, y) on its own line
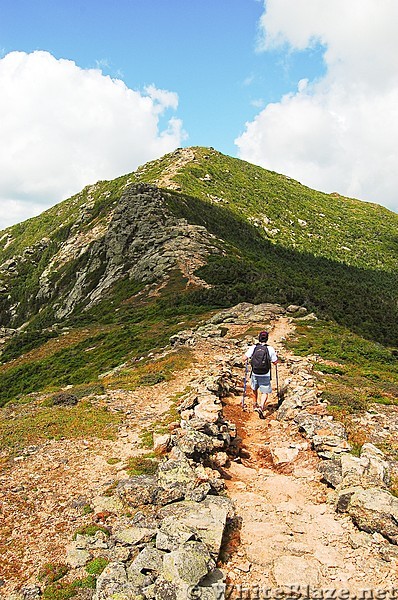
(277, 384)
(245, 384)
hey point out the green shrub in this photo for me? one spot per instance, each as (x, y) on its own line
(96, 566)
(91, 530)
(146, 438)
(346, 400)
(331, 370)
(151, 379)
(52, 572)
(141, 465)
(113, 460)
(59, 591)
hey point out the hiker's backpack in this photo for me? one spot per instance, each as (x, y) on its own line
(260, 360)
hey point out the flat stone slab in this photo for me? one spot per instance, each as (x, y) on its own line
(134, 535)
(207, 518)
(76, 557)
(284, 455)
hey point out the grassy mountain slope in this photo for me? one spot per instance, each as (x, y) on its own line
(257, 270)
(277, 241)
(286, 212)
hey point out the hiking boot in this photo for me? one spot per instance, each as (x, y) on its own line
(260, 412)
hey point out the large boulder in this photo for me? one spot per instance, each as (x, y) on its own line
(195, 442)
(178, 478)
(370, 470)
(372, 510)
(182, 337)
(76, 557)
(139, 490)
(375, 466)
(245, 313)
(363, 493)
(161, 443)
(173, 533)
(133, 535)
(314, 425)
(207, 518)
(175, 478)
(331, 472)
(328, 437)
(149, 559)
(165, 590)
(208, 409)
(288, 409)
(113, 583)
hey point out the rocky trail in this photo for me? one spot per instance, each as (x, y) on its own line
(290, 533)
(285, 530)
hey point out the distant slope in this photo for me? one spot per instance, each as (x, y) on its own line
(256, 270)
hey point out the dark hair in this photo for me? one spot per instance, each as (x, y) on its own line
(263, 336)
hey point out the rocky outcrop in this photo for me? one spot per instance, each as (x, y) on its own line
(139, 238)
(362, 493)
(6, 333)
(245, 313)
(143, 241)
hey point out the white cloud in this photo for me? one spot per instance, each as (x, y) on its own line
(162, 98)
(337, 133)
(63, 127)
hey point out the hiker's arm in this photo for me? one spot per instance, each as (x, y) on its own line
(247, 354)
(273, 356)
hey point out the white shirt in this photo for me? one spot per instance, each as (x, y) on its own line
(271, 350)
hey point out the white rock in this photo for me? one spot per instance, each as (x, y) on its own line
(161, 442)
(283, 455)
(75, 557)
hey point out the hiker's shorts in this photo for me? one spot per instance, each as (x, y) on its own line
(261, 382)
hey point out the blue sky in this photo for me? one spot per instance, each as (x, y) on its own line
(268, 81)
(205, 50)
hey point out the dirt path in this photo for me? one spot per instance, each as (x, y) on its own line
(289, 531)
(166, 180)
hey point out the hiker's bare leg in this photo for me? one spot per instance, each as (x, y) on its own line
(264, 398)
(254, 395)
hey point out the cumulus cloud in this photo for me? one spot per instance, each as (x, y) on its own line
(337, 133)
(64, 127)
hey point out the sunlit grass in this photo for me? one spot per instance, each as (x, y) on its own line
(22, 426)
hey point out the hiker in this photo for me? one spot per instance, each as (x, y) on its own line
(261, 356)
